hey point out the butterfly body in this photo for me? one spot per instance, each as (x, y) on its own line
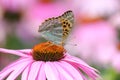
(57, 29)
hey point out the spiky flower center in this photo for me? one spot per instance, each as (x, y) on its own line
(48, 52)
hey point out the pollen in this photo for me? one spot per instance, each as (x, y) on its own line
(48, 51)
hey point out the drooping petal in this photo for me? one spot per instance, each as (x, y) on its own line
(34, 70)
(91, 72)
(12, 67)
(51, 71)
(63, 73)
(79, 61)
(71, 70)
(19, 68)
(15, 52)
(84, 77)
(41, 74)
(26, 51)
(76, 60)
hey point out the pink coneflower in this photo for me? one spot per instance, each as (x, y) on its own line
(115, 61)
(97, 8)
(12, 17)
(46, 61)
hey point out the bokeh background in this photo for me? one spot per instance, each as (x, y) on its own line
(95, 37)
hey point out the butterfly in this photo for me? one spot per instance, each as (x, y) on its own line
(57, 29)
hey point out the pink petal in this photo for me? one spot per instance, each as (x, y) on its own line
(25, 73)
(15, 52)
(41, 74)
(57, 72)
(12, 67)
(51, 71)
(25, 51)
(19, 68)
(70, 69)
(63, 73)
(34, 69)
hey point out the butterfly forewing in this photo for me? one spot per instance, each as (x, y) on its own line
(57, 29)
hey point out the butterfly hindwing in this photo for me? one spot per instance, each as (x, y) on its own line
(51, 30)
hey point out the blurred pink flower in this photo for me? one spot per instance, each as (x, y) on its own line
(66, 68)
(115, 19)
(16, 4)
(12, 15)
(95, 8)
(2, 35)
(2, 30)
(115, 61)
(96, 42)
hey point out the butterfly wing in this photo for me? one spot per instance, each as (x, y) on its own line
(57, 29)
(51, 30)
